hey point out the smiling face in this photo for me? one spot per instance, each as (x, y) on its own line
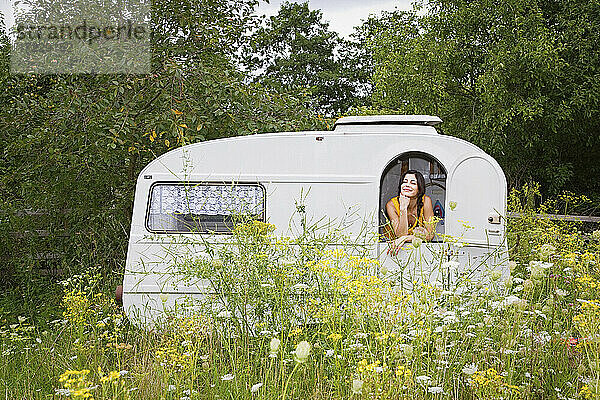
(409, 187)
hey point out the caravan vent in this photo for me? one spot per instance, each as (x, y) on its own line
(387, 124)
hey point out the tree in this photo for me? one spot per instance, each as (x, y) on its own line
(295, 52)
(73, 145)
(518, 78)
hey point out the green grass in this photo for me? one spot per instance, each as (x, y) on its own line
(534, 335)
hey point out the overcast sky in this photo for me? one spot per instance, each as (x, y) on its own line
(342, 15)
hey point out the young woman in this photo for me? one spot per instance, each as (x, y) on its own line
(411, 212)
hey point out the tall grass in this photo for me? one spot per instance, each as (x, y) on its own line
(296, 319)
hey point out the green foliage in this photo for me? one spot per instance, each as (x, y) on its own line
(515, 78)
(73, 145)
(529, 335)
(295, 52)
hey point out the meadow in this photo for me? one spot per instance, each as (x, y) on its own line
(303, 321)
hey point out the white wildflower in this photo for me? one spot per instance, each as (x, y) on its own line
(469, 369)
(224, 314)
(274, 346)
(435, 389)
(255, 387)
(302, 351)
(546, 250)
(357, 386)
(228, 377)
(561, 292)
(495, 275)
(451, 265)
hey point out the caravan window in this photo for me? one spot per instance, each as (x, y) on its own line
(435, 185)
(202, 207)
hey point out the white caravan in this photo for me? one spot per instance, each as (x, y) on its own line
(355, 167)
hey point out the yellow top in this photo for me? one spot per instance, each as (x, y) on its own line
(417, 221)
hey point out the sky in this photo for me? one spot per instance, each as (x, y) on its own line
(343, 15)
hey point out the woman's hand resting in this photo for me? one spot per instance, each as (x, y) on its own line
(396, 244)
(403, 201)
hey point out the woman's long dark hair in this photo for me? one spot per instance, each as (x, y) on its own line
(420, 185)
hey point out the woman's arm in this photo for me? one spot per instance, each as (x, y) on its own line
(428, 217)
(399, 222)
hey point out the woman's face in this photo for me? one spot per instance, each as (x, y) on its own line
(409, 187)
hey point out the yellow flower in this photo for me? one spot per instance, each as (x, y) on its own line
(334, 336)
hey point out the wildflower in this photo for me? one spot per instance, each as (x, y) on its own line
(329, 353)
(538, 269)
(357, 386)
(77, 383)
(596, 235)
(585, 392)
(546, 250)
(171, 388)
(512, 300)
(512, 265)
(163, 297)
(255, 387)
(528, 285)
(495, 275)
(295, 332)
(224, 314)
(274, 347)
(111, 377)
(423, 378)
(416, 242)
(302, 351)
(408, 351)
(435, 389)
(228, 377)
(561, 292)
(469, 369)
(334, 336)
(451, 265)
(403, 373)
